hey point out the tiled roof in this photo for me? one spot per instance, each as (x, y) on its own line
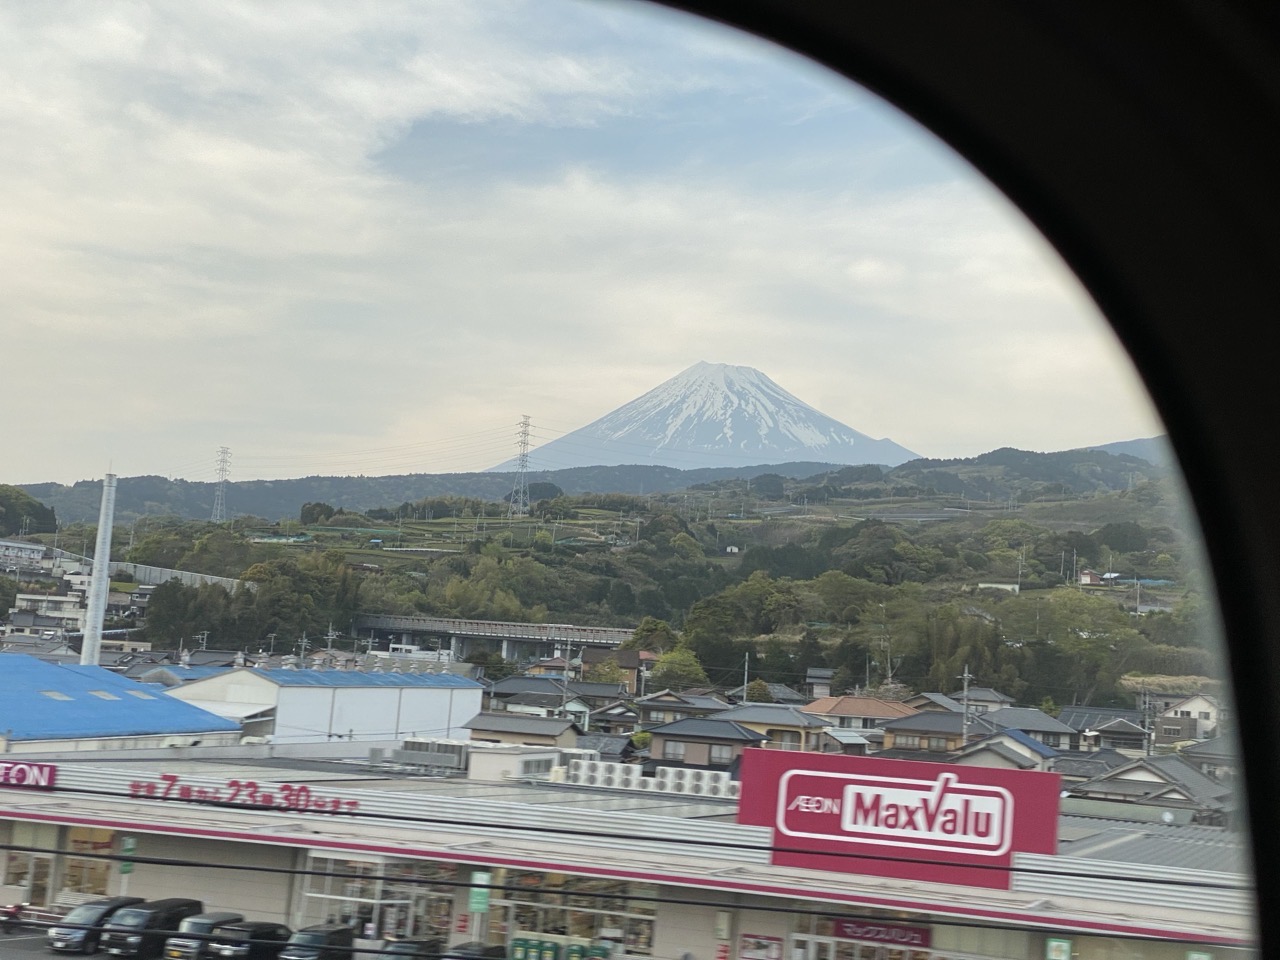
(777, 713)
(519, 723)
(1090, 718)
(708, 728)
(1027, 718)
(851, 706)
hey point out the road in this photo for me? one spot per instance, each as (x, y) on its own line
(24, 944)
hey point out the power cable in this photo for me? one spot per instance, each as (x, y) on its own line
(678, 841)
(686, 901)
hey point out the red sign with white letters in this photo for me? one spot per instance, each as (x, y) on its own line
(909, 819)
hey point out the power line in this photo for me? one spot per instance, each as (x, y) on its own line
(658, 899)
(702, 843)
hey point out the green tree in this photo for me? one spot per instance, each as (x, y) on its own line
(758, 692)
(652, 634)
(313, 513)
(677, 669)
(607, 671)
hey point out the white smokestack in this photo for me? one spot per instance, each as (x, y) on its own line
(100, 582)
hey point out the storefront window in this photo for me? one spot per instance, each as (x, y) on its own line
(84, 874)
(31, 870)
(381, 898)
(577, 911)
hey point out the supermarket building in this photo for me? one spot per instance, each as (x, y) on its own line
(846, 860)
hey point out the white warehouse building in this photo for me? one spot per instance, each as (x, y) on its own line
(315, 706)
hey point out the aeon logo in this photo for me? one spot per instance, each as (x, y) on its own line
(941, 814)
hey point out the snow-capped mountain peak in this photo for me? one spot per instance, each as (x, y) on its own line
(714, 415)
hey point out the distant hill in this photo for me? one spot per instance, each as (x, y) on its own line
(714, 415)
(21, 512)
(999, 475)
(1152, 449)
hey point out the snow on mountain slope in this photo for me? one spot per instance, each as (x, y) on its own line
(714, 415)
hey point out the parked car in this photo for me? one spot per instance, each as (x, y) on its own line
(324, 941)
(187, 947)
(250, 940)
(79, 930)
(140, 931)
(430, 949)
(475, 950)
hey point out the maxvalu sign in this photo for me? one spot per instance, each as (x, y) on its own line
(899, 818)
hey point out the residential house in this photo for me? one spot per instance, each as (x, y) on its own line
(619, 717)
(612, 747)
(635, 668)
(982, 699)
(520, 730)
(817, 681)
(787, 727)
(1167, 782)
(857, 713)
(1216, 758)
(48, 612)
(1036, 724)
(592, 694)
(1192, 718)
(553, 667)
(667, 705)
(862, 715)
(1108, 728)
(780, 692)
(18, 555)
(932, 732)
(937, 702)
(1076, 766)
(703, 743)
(1009, 749)
(548, 705)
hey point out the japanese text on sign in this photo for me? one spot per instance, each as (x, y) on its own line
(275, 796)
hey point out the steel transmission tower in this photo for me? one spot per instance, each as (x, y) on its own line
(519, 506)
(220, 494)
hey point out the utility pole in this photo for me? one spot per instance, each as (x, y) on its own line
(746, 662)
(964, 723)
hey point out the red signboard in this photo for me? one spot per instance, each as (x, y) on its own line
(30, 776)
(899, 818)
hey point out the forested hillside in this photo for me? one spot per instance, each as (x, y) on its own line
(1000, 475)
(908, 589)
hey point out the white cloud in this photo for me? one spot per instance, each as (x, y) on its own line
(197, 227)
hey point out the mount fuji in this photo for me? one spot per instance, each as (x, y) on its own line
(714, 415)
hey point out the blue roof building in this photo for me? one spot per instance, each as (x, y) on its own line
(52, 706)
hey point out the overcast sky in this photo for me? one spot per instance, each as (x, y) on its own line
(368, 237)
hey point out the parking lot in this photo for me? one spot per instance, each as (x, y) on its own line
(22, 943)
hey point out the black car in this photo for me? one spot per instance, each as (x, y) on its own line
(250, 940)
(79, 930)
(324, 941)
(191, 942)
(141, 930)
